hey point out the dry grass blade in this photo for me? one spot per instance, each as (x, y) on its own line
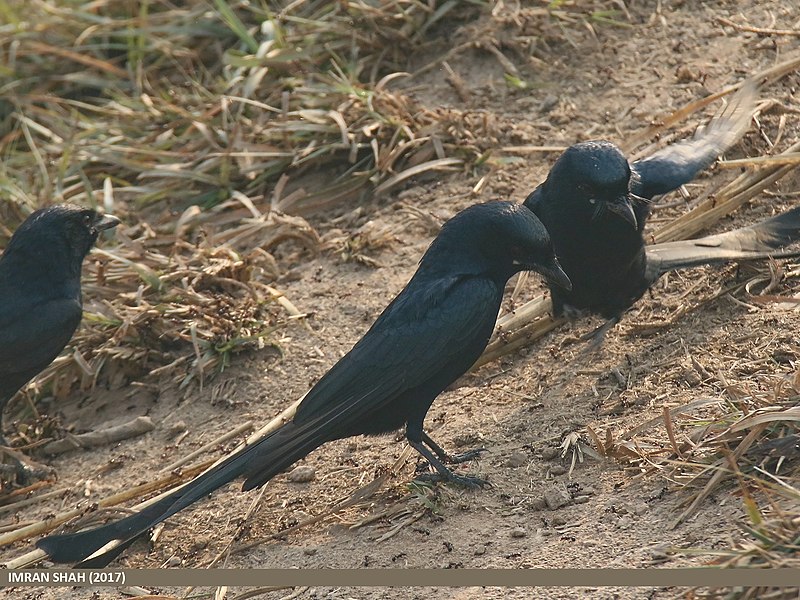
(102, 437)
(785, 158)
(202, 126)
(164, 485)
(113, 500)
(530, 322)
(237, 431)
(764, 77)
(432, 165)
(722, 203)
(358, 496)
(718, 476)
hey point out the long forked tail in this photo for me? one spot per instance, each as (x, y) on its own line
(278, 450)
(759, 241)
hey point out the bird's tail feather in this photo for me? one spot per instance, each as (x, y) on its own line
(679, 163)
(273, 454)
(759, 241)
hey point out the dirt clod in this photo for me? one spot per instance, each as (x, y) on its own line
(302, 474)
(517, 459)
(557, 497)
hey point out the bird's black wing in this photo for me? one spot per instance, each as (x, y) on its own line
(32, 336)
(426, 330)
(747, 243)
(430, 332)
(679, 163)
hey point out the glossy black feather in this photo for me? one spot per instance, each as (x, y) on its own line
(679, 163)
(595, 204)
(754, 242)
(429, 335)
(40, 290)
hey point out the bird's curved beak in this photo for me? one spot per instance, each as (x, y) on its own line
(622, 207)
(553, 272)
(104, 222)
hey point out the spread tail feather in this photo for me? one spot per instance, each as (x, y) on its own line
(679, 163)
(759, 241)
(273, 454)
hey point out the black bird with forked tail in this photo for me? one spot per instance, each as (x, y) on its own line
(594, 204)
(427, 337)
(40, 295)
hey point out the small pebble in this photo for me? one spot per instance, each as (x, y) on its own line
(200, 542)
(580, 499)
(302, 474)
(556, 498)
(558, 470)
(480, 550)
(538, 503)
(517, 459)
(550, 453)
(176, 429)
(518, 532)
(172, 561)
(309, 551)
(624, 522)
(559, 521)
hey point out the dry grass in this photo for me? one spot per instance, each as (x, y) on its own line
(211, 129)
(746, 441)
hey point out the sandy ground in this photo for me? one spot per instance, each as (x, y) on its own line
(539, 512)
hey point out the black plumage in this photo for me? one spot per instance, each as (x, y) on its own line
(429, 335)
(40, 291)
(594, 203)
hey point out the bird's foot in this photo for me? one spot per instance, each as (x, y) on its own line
(445, 456)
(597, 336)
(443, 473)
(466, 481)
(17, 469)
(455, 459)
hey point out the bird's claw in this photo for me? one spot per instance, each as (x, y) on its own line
(455, 459)
(466, 481)
(21, 470)
(465, 456)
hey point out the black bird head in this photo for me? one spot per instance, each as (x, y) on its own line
(595, 177)
(58, 237)
(496, 239)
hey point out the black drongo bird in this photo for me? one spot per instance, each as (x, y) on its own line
(594, 204)
(40, 292)
(427, 337)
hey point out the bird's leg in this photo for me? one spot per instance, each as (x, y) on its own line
(417, 439)
(597, 336)
(453, 459)
(442, 472)
(16, 468)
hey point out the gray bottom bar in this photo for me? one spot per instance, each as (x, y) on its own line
(697, 577)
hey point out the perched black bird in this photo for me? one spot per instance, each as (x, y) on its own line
(427, 337)
(594, 204)
(40, 292)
